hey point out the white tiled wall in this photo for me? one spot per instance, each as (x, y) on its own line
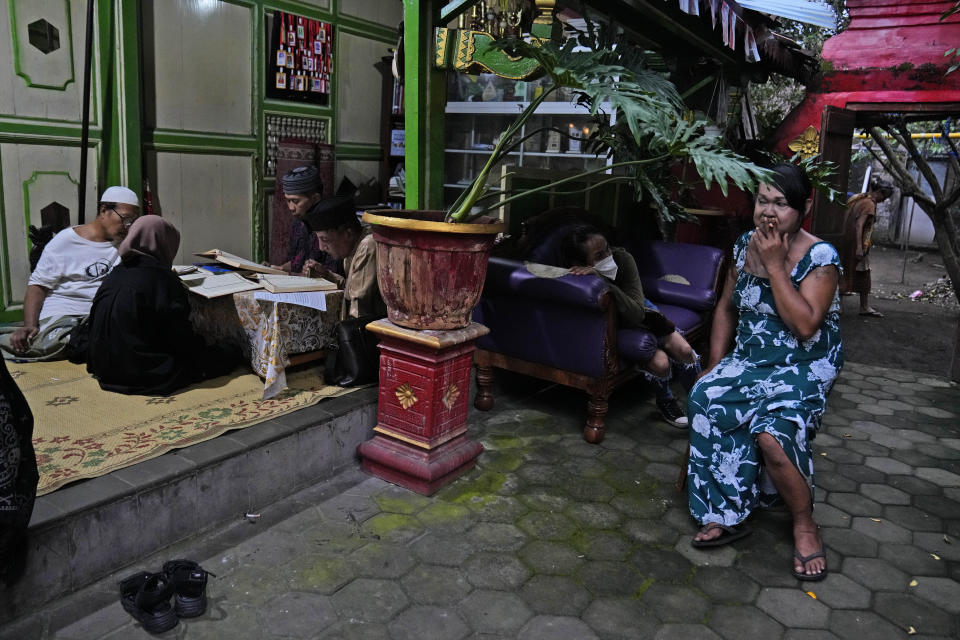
(199, 55)
(386, 12)
(359, 88)
(33, 177)
(209, 198)
(61, 68)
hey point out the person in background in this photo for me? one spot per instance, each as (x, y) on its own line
(18, 477)
(585, 251)
(752, 414)
(857, 238)
(303, 191)
(141, 340)
(71, 269)
(343, 237)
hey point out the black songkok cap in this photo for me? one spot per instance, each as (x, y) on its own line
(302, 180)
(332, 213)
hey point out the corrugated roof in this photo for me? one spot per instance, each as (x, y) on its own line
(808, 11)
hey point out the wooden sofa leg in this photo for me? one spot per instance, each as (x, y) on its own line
(484, 399)
(596, 419)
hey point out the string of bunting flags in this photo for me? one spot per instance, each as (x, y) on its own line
(727, 15)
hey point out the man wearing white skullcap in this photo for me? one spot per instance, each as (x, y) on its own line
(61, 287)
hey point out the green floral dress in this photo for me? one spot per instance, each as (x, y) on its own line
(772, 382)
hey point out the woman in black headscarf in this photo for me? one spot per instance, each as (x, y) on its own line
(18, 476)
(141, 341)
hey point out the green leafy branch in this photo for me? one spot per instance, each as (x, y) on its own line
(649, 138)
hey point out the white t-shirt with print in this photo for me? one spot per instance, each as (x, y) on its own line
(72, 268)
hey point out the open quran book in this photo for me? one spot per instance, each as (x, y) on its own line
(213, 286)
(287, 284)
(236, 261)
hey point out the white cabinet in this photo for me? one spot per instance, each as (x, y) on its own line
(472, 128)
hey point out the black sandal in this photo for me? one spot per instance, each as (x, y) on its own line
(189, 582)
(146, 597)
(729, 535)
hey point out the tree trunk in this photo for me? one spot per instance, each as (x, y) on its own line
(949, 251)
(955, 364)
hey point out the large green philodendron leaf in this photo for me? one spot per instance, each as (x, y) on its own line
(651, 134)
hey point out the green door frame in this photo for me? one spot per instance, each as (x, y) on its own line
(425, 98)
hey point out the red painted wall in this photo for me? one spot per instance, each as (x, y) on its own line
(892, 51)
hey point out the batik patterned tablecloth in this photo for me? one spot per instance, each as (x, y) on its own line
(268, 332)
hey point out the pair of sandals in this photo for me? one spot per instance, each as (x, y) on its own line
(729, 534)
(147, 596)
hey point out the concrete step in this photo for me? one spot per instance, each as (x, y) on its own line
(85, 531)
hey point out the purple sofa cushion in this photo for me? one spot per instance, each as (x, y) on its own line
(510, 277)
(698, 264)
(683, 295)
(685, 319)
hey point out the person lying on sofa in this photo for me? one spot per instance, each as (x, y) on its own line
(585, 251)
(141, 340)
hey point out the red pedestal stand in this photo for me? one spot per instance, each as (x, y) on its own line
(421, 440)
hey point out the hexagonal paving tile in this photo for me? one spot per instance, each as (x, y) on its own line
(793, 608)
(544, 556)
(487, 570)
(435, 584)
(446, 549)
(736, 622)
(907, 610)
(620, 618)
(875, 574)
(370, 600)
(382, 560)
(556, 595)
(675, 603)
(441, 516)
(299, 615)
(604, 578)
(428, 623)
(601, 545)
(495, 611)
(547, 526)
(653, 562)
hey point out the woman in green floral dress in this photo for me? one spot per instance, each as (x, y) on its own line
(750, 414)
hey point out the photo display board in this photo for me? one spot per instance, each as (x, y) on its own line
(300, 59)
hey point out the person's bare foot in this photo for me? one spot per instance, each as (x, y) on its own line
(809, 546)
(870, 311)
(708, 533)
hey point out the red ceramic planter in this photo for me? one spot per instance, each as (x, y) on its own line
(430, 272)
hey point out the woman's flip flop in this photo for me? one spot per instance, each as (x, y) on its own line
(728, 535)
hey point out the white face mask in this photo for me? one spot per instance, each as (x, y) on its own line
(607, 268)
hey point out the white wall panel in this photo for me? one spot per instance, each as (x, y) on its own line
(386, 12)
(321, 4)
(198, 53)
(50, 81)
(359, 88)
(33, 177)
(209, 198)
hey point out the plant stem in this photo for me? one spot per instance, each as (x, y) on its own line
(463, 205)
(551, 185)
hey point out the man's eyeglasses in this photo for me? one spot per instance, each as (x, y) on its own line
(127, 220)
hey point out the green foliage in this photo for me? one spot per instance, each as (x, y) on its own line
(650, 136)
(820, 172)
